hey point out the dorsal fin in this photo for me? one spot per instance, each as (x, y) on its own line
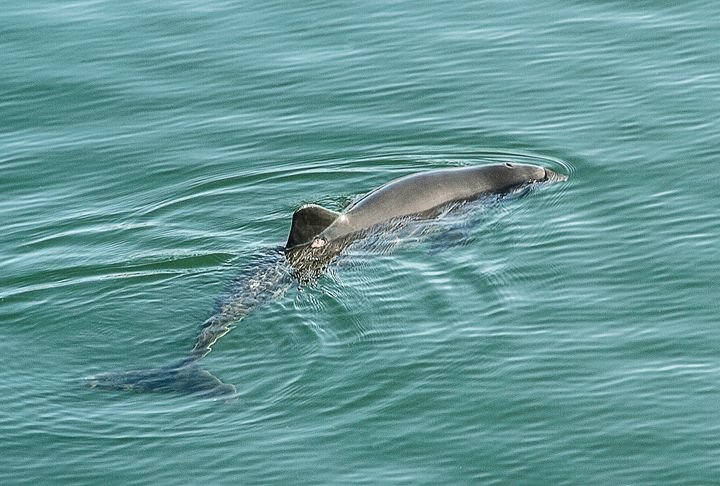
(308, 222)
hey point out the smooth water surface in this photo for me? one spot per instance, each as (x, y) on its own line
(150, 150)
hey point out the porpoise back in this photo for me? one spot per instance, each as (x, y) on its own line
(413, 194)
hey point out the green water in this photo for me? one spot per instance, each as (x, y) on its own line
(148, 150)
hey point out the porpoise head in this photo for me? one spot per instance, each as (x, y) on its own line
(514, 174)
(510, 175)
(552, 176)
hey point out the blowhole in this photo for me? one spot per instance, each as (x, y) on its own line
(509, 165)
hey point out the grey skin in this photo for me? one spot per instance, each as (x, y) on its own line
(416, 194)
(317, 235)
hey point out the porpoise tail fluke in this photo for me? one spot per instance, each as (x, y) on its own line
(182, 377)
(262, 280)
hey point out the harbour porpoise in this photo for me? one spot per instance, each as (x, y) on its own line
(316, 236)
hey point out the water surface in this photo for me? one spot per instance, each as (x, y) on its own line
(148, 150)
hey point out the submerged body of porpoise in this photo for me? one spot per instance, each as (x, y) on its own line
(316, 236)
